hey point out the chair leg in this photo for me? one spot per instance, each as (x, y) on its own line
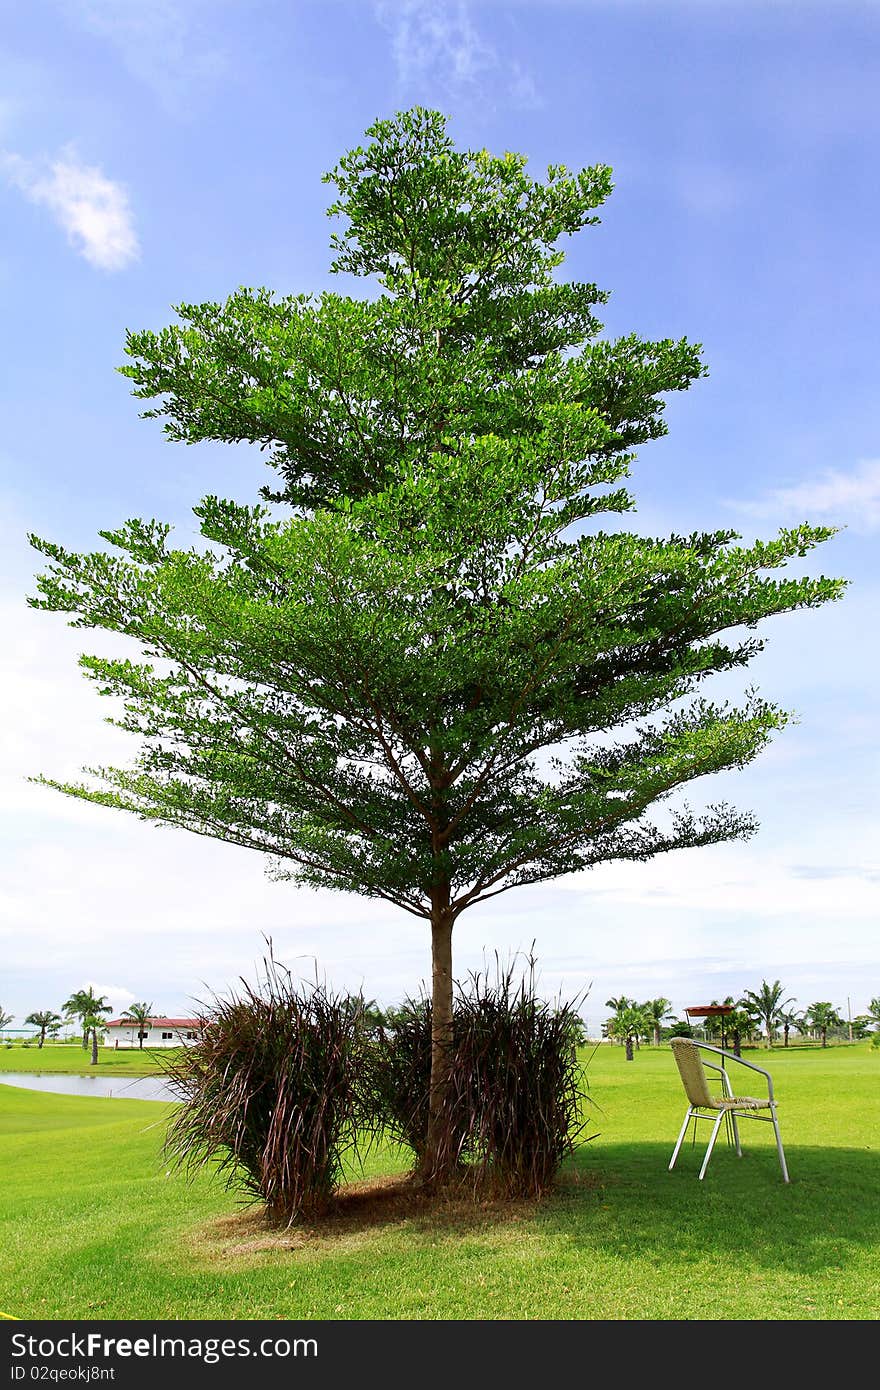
(715, 1129)
(739, 1152)
(779, 1149)
(687, 1119)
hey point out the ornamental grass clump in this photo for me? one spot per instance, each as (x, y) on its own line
(527, 1096)
(398, 1079)
(270, 1094)
(516, 1097)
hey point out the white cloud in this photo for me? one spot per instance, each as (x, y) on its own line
(834, 876)
(437, 40)
(117, 996)
(842, 498)
(430, 36)
(166, 44)
(92, 209)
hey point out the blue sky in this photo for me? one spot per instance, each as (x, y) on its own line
(171, 151)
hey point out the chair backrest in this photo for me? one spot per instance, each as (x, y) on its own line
(693, 1075)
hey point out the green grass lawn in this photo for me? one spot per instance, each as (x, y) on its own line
(92, 1225)
(65, 1057)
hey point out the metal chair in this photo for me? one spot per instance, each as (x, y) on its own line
(727, 1107)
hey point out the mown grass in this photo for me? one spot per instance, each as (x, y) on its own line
(54, 1058)
(92, 1225)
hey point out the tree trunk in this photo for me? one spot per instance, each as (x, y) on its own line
(824, 1037)
(439, 1160)
(629, 1048)
(140, 1038)
(785, 1036)
(42, 1039)
(94, 1047)
(85, 1038)
(656, 1034)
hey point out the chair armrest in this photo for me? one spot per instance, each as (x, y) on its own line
(725, 1079)
(753, 1066)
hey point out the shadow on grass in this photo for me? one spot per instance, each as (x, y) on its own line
(622, 1201)
(373, 1206)
(742, 1206)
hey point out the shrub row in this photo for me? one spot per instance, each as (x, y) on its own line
(290, 1081)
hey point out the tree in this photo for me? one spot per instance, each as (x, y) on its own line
(658, 1011)
(681, 1029)
(619, 1004)
(5, 1019)
(433, 678)
(874, 1011)
(46, 1021)
(92, 1023)
(767, 1004)
(83, 1004)
(822, 1016)
(630, 1024)
(731, 1027)
(789, 1018)
(141, 1015)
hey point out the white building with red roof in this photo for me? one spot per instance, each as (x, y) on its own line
(157, 1032)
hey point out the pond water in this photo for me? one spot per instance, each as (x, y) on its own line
(124, 1087)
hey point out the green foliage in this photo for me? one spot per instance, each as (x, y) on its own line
(362, 690)
(271, 1093)
(633, 1022)
(45, 1020)
(84, 1004)
(680, 1029)
(658, 1011)
(822, 1016)
(766, 1004)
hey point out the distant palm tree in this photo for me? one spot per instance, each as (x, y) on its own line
(141, 1015)
(630, 1024)
(91, 1023)
(45, 1020)
(618, 1004)
(83, 1004)
(732, 1027)
(874, 1011)
(658, 1011)
(789, 1019)
(767, 1004)
(823, 1016)
(5, 1019)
